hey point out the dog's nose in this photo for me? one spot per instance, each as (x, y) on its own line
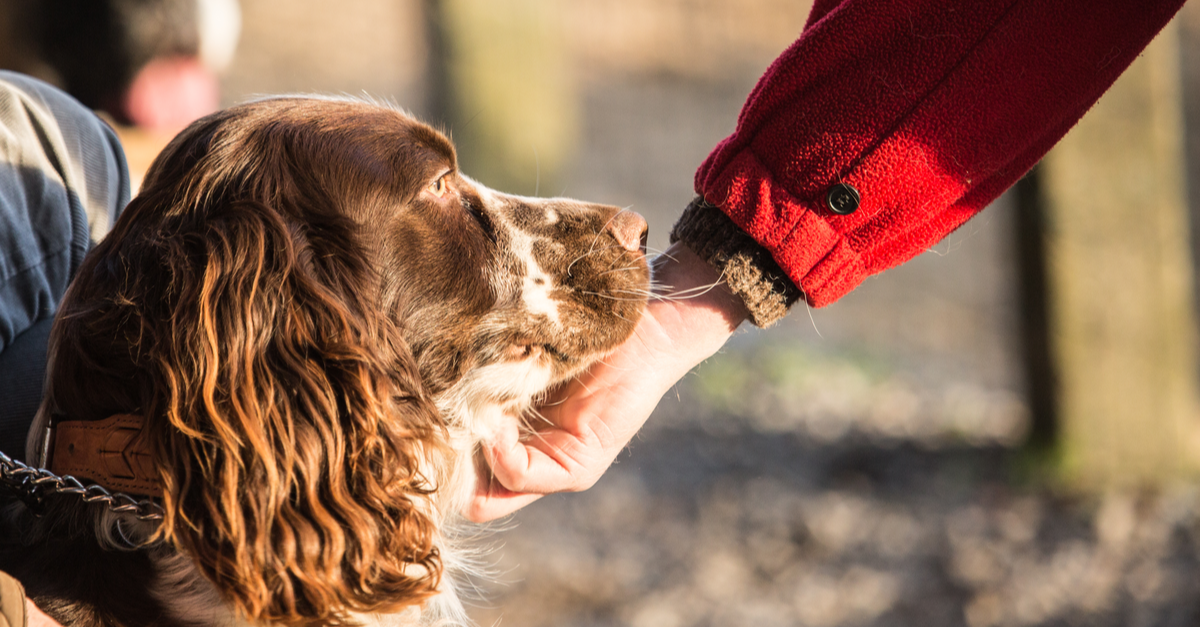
(630, 230)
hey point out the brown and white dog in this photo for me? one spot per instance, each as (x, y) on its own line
(310, 318)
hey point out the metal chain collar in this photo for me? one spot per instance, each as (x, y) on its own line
(32, 485)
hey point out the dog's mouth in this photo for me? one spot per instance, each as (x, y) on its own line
(531, 350)
(555, 354)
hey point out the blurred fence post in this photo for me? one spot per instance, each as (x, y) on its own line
(1121, 325)
(501, 85)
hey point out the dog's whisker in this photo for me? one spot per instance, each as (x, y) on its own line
(667, 293)
(625, 269)
(553, 403)
(614, 298)
(813, 320)
(587, 254)
(664, 255)
(537, 169)
(537, 414)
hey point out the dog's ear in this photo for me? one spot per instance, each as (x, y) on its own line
(293, 437)
(296, 431)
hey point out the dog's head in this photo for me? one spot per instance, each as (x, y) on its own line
(304, 302)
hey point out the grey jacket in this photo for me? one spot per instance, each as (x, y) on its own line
(63, 181)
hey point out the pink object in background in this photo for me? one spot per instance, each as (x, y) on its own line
(169, 93)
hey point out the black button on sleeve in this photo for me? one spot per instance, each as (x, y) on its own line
(842, 199)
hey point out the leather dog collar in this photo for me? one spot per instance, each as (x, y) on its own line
(107, 451)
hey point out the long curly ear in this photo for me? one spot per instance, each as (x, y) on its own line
(296, 432)
(235, 306)
(292, 434)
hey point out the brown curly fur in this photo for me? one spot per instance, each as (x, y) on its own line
(281, 402)
(318, 318)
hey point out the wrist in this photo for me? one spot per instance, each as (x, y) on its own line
(694, 309)
(747, 267)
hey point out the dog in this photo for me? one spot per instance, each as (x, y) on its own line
(298, 333)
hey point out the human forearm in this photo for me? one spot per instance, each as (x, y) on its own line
(928, 108)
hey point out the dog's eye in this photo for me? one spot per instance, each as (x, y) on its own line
(439, 187)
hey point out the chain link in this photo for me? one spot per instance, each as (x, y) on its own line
(33, 485)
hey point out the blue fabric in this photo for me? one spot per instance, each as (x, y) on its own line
(63, 181)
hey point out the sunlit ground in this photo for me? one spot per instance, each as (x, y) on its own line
(790, 488)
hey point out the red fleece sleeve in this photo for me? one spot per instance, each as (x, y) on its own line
(930, 109)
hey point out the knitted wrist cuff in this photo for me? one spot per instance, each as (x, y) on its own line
(745, 265)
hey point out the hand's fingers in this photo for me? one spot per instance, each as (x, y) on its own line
(35, 617)
(529, 471)
(524, 467)
(552, 460)
(497, 502)
(491, 499)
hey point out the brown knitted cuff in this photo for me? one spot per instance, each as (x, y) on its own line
(748, 268)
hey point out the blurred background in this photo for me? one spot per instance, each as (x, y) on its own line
(1001, 432)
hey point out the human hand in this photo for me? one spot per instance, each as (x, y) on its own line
(35, 617)
(595, 415)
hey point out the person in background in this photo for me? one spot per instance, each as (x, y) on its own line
(885, 126)
(150, 66)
